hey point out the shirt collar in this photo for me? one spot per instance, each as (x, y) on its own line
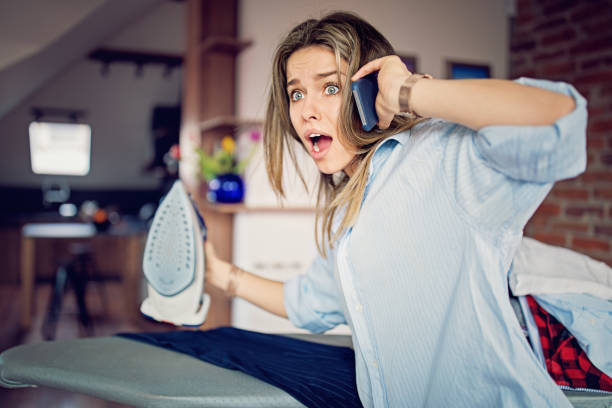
(383, 151)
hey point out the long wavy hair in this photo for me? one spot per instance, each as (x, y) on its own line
(357, 42)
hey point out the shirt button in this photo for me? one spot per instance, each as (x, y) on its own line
(359, 307)
(374, 363)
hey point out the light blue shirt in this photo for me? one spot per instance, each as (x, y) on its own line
(421, 278)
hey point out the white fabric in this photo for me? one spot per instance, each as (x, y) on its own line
(539, 268)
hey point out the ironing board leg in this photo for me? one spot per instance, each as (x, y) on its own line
(78, 275)
(55, 303)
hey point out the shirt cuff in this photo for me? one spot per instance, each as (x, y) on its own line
(542, 154)
(298, 311)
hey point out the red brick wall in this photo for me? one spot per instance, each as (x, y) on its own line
(572, 41)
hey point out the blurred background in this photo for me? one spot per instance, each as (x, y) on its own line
(138, 86)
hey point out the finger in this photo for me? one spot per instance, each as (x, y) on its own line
(383, 123)
(384, 117)
(368, 68)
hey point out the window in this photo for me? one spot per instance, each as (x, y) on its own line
(60, 148)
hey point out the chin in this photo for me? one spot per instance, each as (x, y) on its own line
(325, 169)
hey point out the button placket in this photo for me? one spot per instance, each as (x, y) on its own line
(355, 308)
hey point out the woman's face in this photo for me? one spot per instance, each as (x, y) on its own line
(314, 91)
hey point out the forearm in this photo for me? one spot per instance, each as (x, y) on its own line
(477, 103)
(262, 292)
(265, 293)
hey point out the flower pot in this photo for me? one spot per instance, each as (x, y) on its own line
(226, 188)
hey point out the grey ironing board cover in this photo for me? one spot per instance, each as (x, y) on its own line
(138, 374)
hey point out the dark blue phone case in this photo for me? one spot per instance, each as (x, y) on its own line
(364, 92)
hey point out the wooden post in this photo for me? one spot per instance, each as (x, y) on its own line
(209, 91)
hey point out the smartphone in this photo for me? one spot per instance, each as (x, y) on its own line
(364, 92)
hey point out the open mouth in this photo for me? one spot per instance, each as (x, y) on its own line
(320, 142)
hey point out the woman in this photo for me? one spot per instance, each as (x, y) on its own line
(419, 218)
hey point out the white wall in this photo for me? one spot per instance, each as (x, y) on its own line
(470, 30)
(118, 107)
(434, 30)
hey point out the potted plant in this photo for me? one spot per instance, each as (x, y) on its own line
(222, 170)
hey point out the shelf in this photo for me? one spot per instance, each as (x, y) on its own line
(110, 55)
(242, 208)
(227, 122)
(140, 58)
(223, 45)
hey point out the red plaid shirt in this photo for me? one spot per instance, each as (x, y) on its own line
(566, 362)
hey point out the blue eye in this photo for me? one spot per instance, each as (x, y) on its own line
(296, 96)
(331, 89)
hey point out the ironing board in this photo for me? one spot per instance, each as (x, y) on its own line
(138, 374)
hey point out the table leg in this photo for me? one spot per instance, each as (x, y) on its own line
(132, 277)
(27, 281)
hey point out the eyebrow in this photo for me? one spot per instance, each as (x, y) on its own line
(321, 75)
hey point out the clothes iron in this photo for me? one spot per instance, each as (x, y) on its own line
(174, 264)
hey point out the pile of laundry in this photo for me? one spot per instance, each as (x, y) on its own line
(566, 300)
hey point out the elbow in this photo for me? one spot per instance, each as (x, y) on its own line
(560, 107)
(567, 105)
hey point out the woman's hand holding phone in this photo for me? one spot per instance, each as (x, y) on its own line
(392, 73)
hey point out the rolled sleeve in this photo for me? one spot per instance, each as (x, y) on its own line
(541, 154)
(312, 300)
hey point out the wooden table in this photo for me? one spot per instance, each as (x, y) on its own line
(131, 237)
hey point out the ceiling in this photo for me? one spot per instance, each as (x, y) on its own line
(40, 38)
(26, 26)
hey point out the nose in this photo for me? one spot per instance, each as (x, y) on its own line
(310, 109)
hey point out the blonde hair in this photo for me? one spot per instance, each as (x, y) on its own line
(357, 42)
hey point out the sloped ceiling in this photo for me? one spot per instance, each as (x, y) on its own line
(27, 26)
(40, 38)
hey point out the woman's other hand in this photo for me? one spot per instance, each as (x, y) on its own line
(392, 73)
(262, 292)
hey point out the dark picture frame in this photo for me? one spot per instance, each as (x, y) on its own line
(410, 61)
(463, 70)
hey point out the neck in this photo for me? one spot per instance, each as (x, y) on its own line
(350, 169)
